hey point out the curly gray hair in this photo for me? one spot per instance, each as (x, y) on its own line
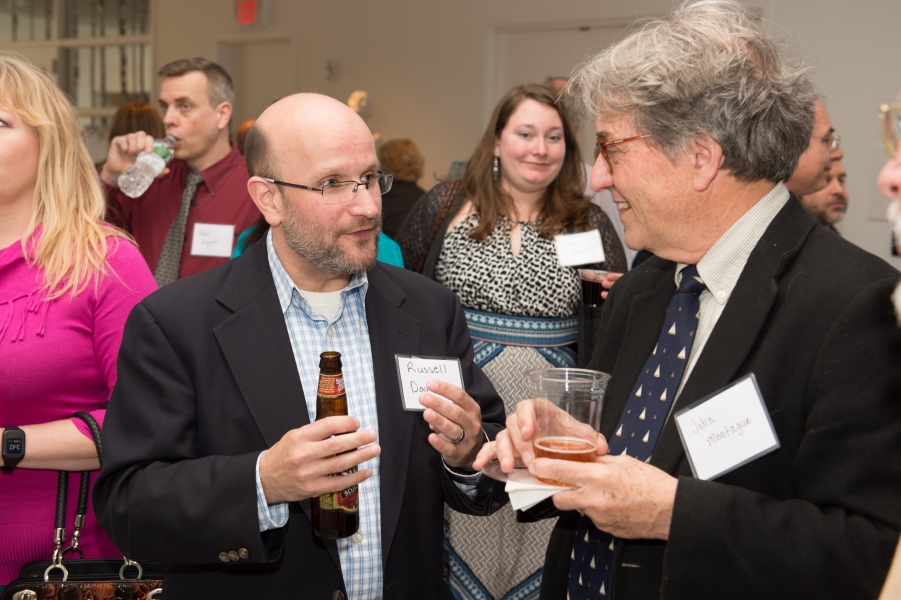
(708, 69)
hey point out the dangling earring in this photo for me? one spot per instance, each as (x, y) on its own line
(495, 168)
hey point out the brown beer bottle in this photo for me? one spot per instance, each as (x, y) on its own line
(337, 514)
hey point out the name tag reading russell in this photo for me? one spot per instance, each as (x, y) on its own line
(579, 248)
(414, 371)
(212, 240)
(727, 429)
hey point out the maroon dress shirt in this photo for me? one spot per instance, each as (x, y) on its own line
(221, 199)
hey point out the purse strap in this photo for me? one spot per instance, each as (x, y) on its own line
(442, 213)
(81, 511)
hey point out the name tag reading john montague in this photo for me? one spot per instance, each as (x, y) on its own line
(212, 240)
(414, 371)
(727, 429)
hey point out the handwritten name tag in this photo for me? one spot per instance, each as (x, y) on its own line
(414, 371)
(727, 429)
(579, 248)
(212, 240)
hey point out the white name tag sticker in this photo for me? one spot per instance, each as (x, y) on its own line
(414, 371)
(212, 240)
(579, 248)
(727, 429)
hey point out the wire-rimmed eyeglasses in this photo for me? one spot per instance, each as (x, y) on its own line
(890, 121)
(832, 141)
(602, 146)
(336, 192)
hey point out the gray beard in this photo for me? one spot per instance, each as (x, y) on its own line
(324, 254)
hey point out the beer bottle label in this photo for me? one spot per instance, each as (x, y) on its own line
(331, 386)
(346, 500)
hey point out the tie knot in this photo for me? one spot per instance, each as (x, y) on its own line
(194, 179)
(691, 282)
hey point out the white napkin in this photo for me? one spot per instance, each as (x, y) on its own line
(524, 496)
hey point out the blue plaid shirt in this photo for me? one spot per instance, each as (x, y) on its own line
(347, 333)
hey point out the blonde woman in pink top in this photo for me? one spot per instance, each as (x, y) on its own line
(67, 284)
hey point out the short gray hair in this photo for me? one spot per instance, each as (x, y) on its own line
(219, 87)
(708, 69)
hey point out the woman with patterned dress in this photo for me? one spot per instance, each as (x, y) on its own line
(67, 284)
(490, 238)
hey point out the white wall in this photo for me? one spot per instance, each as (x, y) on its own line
(425, 66)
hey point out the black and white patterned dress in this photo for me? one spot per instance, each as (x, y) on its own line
(496, 554)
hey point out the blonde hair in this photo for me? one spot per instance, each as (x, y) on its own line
(68, 199)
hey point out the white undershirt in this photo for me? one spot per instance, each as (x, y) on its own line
(325, 304)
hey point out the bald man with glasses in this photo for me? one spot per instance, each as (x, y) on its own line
(212, 452)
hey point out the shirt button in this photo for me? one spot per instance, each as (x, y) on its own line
(720, 295)
(330, 332)
(223, 556)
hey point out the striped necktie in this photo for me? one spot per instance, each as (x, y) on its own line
(591, 562)
(170, 256)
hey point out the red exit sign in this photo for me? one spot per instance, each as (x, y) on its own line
(248, 12)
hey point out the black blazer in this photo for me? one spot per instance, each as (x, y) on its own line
(819, 518)
(207, 380)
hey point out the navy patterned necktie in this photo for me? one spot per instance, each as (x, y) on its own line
(591, 562)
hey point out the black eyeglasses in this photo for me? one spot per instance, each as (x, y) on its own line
(602, 146)
(337, 192)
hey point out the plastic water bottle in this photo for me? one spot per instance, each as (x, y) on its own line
(135, 180)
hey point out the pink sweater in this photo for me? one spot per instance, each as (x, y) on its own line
(57, 358)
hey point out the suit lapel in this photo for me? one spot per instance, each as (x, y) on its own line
(391, 331)
(256, 345)
(736, 332)
(258, 350)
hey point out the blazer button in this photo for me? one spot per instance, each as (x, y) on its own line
(338, 595)
(495, 505)
(243, 553)
(233, 555)
(223, 556)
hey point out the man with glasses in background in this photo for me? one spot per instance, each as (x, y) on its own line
(814, 166)
(709, 483)
(212, 452)
(829, 205)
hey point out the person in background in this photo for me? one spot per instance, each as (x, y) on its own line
(830, 203)
(203, 193)
(490, 239)
(889, 181)
(67, 284)
(743, 283)
(241, 134)
(137, 116)
(815, 164)
(402, 159)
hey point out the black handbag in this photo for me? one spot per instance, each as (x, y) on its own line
(80, 578)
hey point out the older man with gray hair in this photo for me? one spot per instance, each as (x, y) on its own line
(752, 426)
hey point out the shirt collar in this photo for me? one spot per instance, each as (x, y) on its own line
(722, 264)
(215, 176)
(286, 288)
